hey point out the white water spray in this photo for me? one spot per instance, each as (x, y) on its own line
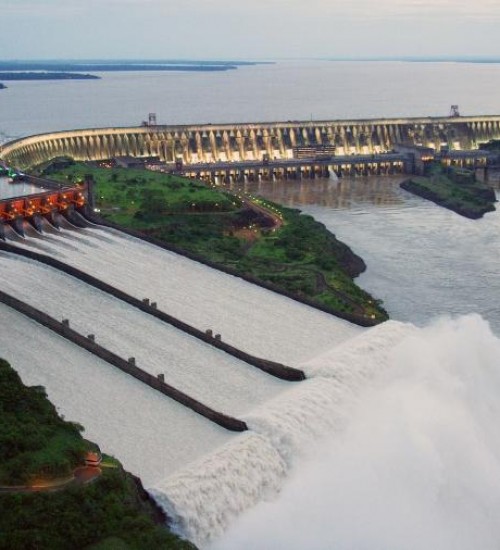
(417, 465)
(207, 496)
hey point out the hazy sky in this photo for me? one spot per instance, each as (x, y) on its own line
(246, 29)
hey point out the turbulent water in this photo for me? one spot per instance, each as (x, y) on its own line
(392, 422)
(205, 373)
(207, 496)
(417, 463)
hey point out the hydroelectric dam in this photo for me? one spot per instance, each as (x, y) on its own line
(77, 302)
(250, 142)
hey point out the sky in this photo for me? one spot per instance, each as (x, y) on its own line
(256, 29)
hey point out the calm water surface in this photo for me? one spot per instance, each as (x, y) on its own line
(423, 260)
(9, 190)
(293, 90)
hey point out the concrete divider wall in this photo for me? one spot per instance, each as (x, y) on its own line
(128, 367)
(275, 369)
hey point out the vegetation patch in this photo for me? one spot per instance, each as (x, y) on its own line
(112, 511)
(455, 189)
(34, 441)
(248, 235)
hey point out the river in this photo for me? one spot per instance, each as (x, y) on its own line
(423, 260)
(393, 441)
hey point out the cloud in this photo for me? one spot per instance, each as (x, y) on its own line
(357, 9)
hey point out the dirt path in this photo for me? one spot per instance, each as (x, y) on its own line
(81, 475)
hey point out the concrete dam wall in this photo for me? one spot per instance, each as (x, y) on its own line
(247, 142)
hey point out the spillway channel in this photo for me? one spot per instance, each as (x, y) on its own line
(193, 367)
(247, 316)
(152, 435)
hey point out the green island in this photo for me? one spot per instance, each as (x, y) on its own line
(49, 498)
(454, 188)
(246, 235)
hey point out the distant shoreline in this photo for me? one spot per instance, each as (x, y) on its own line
(109, 66)
(47, 76)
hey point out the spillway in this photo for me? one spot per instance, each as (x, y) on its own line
(209, 495)
(233, 472)
(152, 435)
(205, 373)
(247, 316)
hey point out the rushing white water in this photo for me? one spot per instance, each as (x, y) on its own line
(203, 372)
(206, 496)
(249, 317)
(152, 435)
(416, 465)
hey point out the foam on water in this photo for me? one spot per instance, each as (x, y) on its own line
(152, 435)
(287, 426)
(209, 375)
(416, 465)
(205, 498)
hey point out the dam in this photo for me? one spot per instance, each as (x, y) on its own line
(202, 475)
(210, 143)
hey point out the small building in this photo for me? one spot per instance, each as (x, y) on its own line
(93, 459)
(129, 162)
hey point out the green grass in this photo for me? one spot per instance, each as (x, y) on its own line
(455, 189)
(107, 513)
(124, 195)
(301, 257)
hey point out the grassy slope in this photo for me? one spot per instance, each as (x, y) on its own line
(34, 441)
(301, 257)
(109, 512)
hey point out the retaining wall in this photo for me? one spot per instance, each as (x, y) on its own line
(128, 367)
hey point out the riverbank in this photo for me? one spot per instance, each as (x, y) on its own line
(49, 499)
(268, 244)
(457, 190)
